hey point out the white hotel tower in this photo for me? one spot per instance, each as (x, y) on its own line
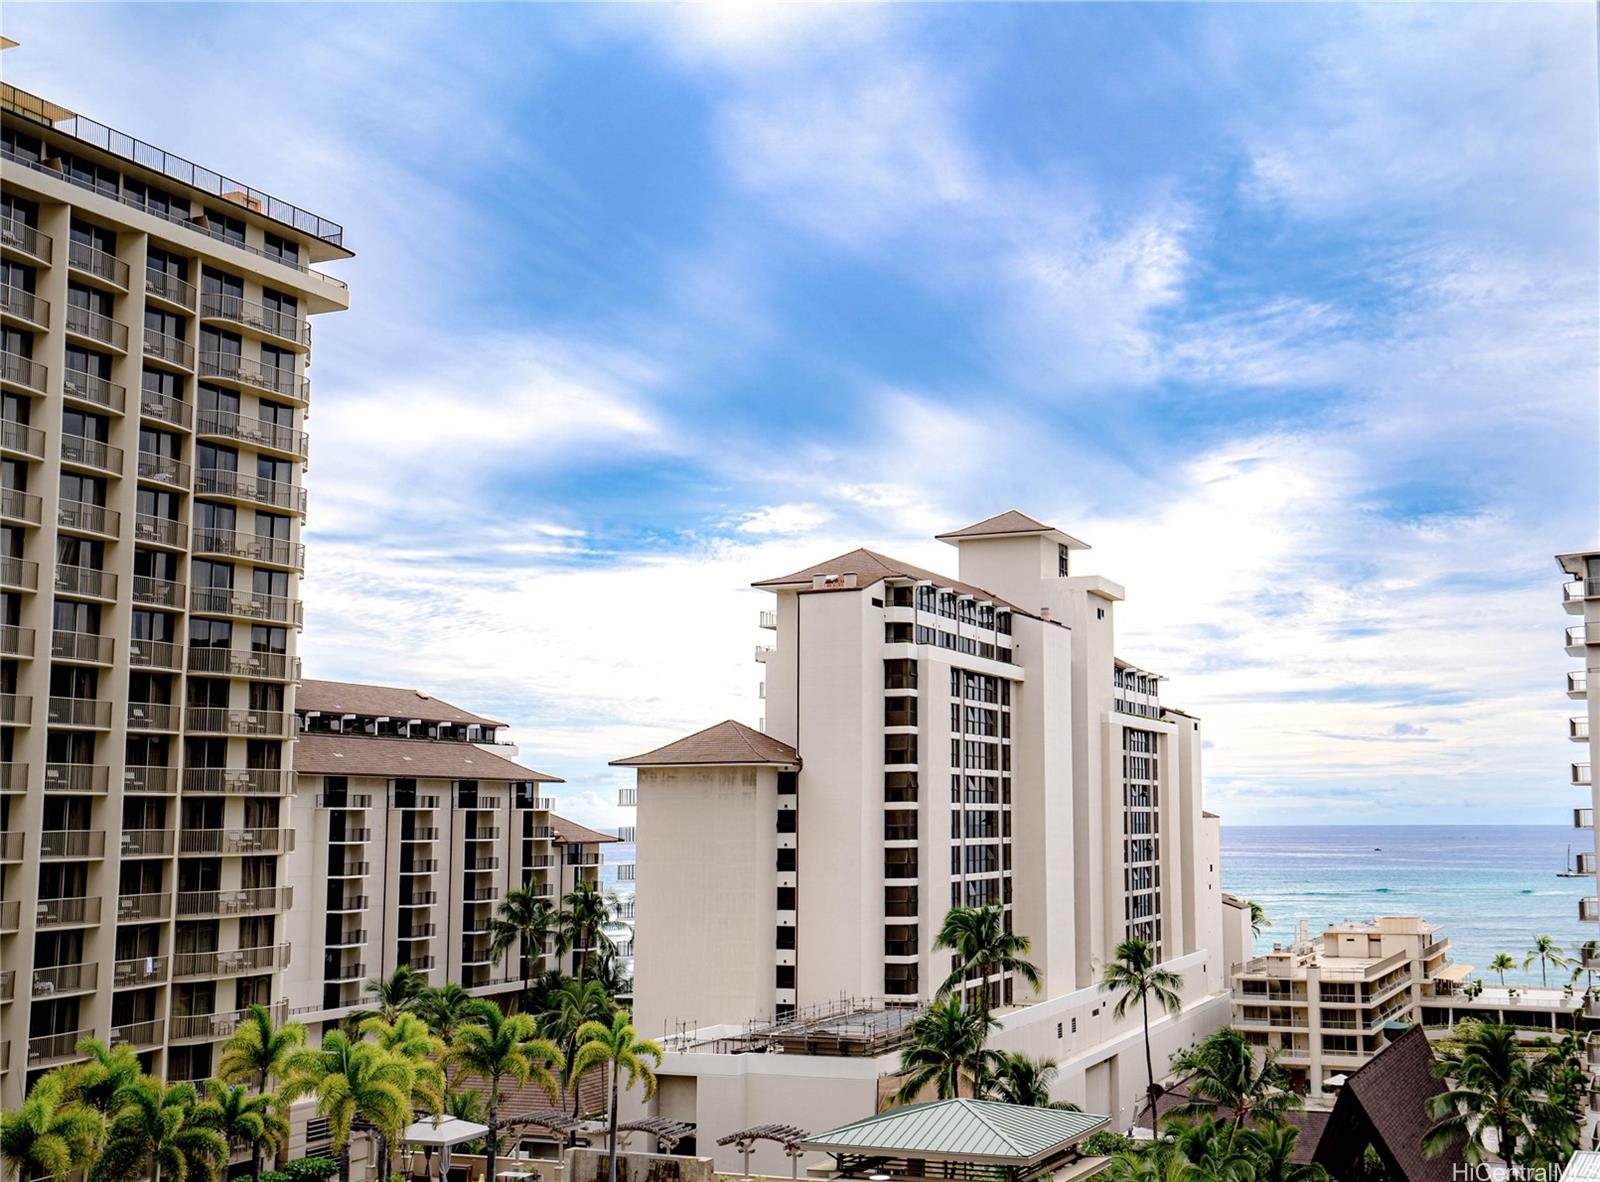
(1581, 596)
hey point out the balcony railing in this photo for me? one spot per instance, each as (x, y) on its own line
(348, 970)
(162, 531)
(172, 411)
(91, 453)
(16, 709)
(154, 716)
(25, 305)
(139, 1034)
(169, 288)
(229, 367)
(235, 841)
(13, 777)
(80, 713)
(1589, 909)
(264, 436)
(155, 654)
(97, 391)
(1580, 775)
(627, 798)
(344, 800)
(214, 781)
(151, 778)
(10, 914)
(19, 506)
(19, 236)
(257, 490)
(100, 329)
(348, 939)
(50, 1048)
(216, 720)
(89, 519)
(163, 470)
(244, 663)
(92, 261)
(8, 984)
(21, 439)
(231, 963)
(85, 581)
(19, 574)
(251, 547)
(170, 349)
(76, 777)
(247, 901)
(85, 647)
(158, 592)
(1577, 637)
(20, 371)
(1578, 728)
(247, 605)
(1577, 685)
(72, 843)
(79, 911)
(345, 903)
(146, 843)
(288, 326)
(65, 978)
(418, 931)
(214, 1026)
(10, 847)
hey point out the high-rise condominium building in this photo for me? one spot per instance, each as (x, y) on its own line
(1581, 596)
(156, 381)
(929, 742)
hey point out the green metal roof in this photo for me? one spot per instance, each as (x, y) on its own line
(969, 1129)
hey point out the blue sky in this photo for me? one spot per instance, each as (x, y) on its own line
(1289, 311)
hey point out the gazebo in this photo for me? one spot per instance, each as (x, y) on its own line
(960, 1140)
(440, 1133)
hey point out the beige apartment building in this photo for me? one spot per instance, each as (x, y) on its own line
(930, 741)
(155, 376)
(1580, 595)
(1328, 1005)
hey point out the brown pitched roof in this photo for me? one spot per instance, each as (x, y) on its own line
(1010, 524)
(727, 743)
(575, 834)
(871, 568)
(348, 697)
(422, 759)
(1384, 1103)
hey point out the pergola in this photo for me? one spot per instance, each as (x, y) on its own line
(666, 1132)
(787, 1136)
(559, 1125)
(960, 1140)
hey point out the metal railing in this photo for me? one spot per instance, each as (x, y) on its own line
(80, 646)
(213, 781)
(244, 663)
(91, 453)
(248, 605)
(76, 777)
(230, 367)
(146, 843)
(219, 1025)
(18, 235)
(83, 909)
(20, 371)
(16, 709)
(98, 328)
(65, 978)
(139, 1034)
(25, 305)
(93, 261)
(15, 641)
(162, 531)
(170, 349)
(134, 908)
(288, 326)
(158, 592)
(43, 1048)
(222, 482)
(225, 424)
(163, 469)
(82, 713)
(20, 438)
(161, 408)
(20, 506)
(87, 518)
(218, 720)
(253, 547)
(19, 574)
(169, 288)
(151, 778)
(230, 963)
(155, 654)
(85, 581)
(245, 901)
(72, 843)
(235, 841)
(93, 389)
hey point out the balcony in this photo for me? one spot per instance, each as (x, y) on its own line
(85, 648)
(1589, 909)
(18, 574)
(158, 346)
(72, 843)
(17, 370)
(150, 592)
(8, 984)
(65, 978)
(161, 717)
(261, 435)
(350, 837)
(152, 779)
(80, 713)
(101, 330)
(418, 898)
(216, 720)
(216, 781)
(419, 866)
(18, 304)
(20, 508)
(769, 620)
(236, 841)
(10, 915)
(343, 904)
(161, 409)
(220, 1025)
(227, 367)
(420, 801)
(84, 518)
(15, 641)
(348, 939)
(16, 709)
(10, 847)
(173, 473)
(764, 653)
(17, 237)
(420, 931)
(97, 264)
(347, 970)
(1578, 728)
(247, 605)
(421, 833)
(344, 800)
(80, 386)
(47, 1049)
(146, 843)
(155, 654)
(76, 777)
(233, 963)
(263, 321)
(627, 798)
(13, 778)
(168, 289)
(158, 531)
(78, 912)
(21, 441)
(482, 833)
(1578, 685)
(1577, 639)
(246, 663)
(350, 870)
(251, 490)
(85, 582)
(77, 451)
(250, 547)
(1580, 775)
(480, 804)
(245, 901)
(141, 908)
(140, 1035)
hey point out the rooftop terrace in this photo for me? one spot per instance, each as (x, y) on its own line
(851, 1026)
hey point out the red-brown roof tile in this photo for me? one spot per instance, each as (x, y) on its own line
(727, 744)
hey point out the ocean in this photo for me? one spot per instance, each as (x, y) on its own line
(1490, 887)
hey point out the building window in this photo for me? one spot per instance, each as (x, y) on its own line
(786, 861)
(786, 939)
(786, 820)
(785, 976)
(1062, 562)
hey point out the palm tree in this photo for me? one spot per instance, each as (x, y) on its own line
(1493, 1086)
(522, 919)
(409, 1038)
(1017, 1079)
(244, 1119)
(351, 1080)
(395, 994)
(586, 912)
(1271, 1149)
(49, 1133)
(498, 1047)
(1224, 1073)
(1258, 917)
(572, 1005)
(159, 1132)
(1134, 976)
(943, 1039)
(1157, 1162)
(620, 1048)
(1546, 951)
(446, 1009)
(1501, 963)
(982, 947)
(260, 1052)
(104, 1072)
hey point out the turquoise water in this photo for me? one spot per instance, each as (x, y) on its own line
(1491, 887)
